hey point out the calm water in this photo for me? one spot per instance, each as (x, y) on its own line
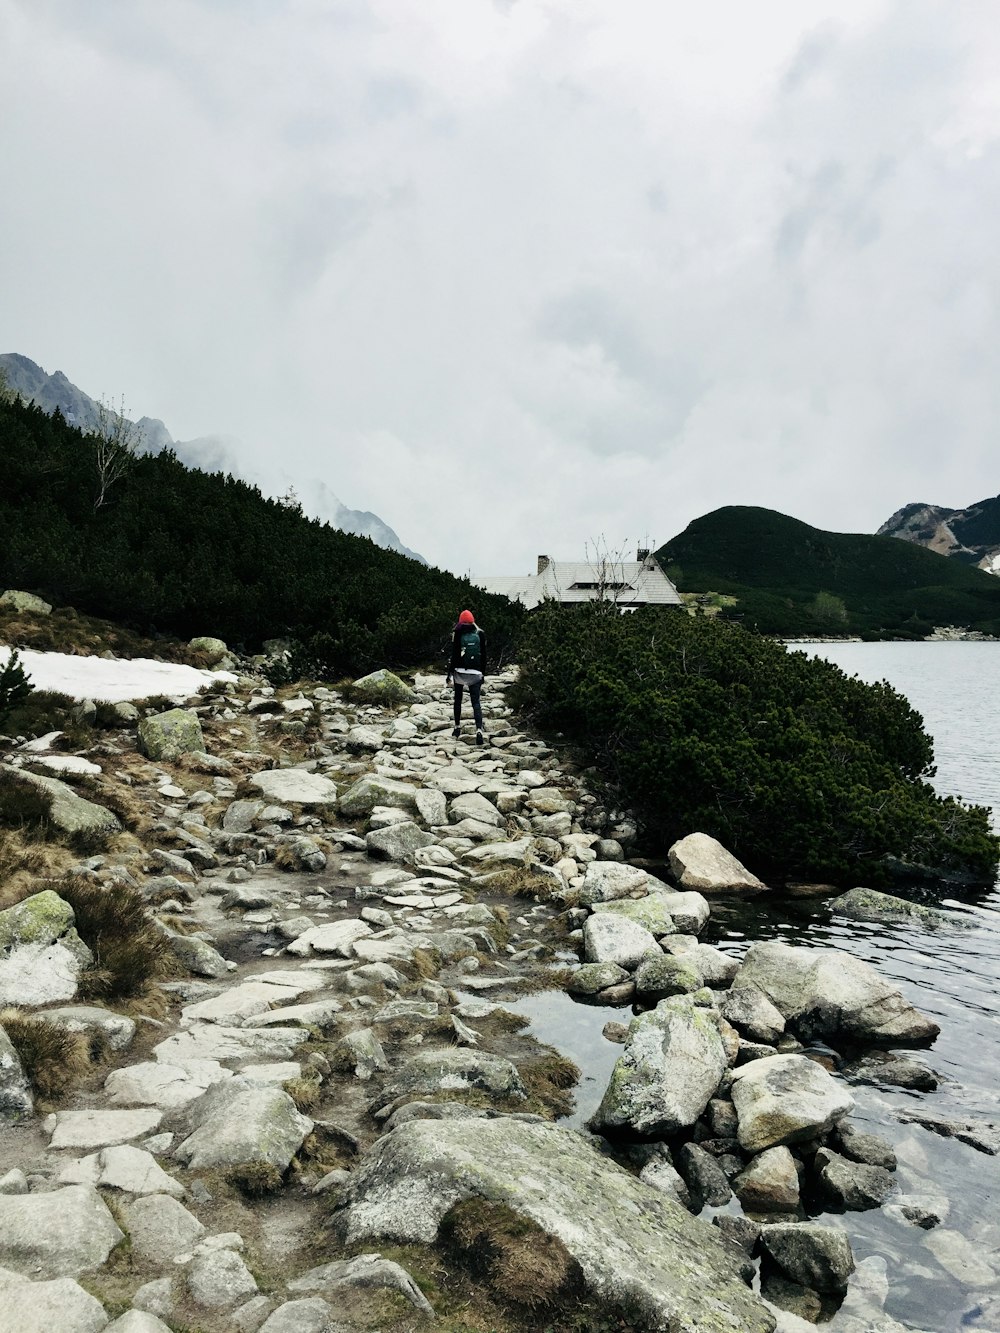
(952, 974)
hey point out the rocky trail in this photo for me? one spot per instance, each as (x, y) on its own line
(334, 1122)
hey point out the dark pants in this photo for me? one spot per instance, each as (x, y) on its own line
(477, 708)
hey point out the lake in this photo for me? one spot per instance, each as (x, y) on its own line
(947, 1279)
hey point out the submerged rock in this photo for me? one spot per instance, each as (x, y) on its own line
(636, 1246)
(870, 905)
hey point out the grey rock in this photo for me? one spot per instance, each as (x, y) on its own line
(35, 974)
(983, 1135)
(156, 1297)
(593, 977)
(14, 1182)
(69, 812)
(56, 1234)
(197, 955)
(311, 1315)
(661, 1174)
(454, 1070)
(635, 1245)
(360, 1051)
(365, 1270)
(45, 1307)
(115, 1031)
(851, 1185)
(770, 1184)
(670, 1068)
(649, 912)
(138, 1321)
(829, 993)
(752, 1014)
(131, 1170)
(717, 968)
(432, 806)
(398, 842)
(861, 1147)
(219, 1280)
(15, 1090)
(884, 1069)
(609, 938)
(700, 862)
(363, 796)
(663, 975)
(870, 905)
(101, 1129)
(471, 805)
(604, 881)
(786, 1099)
(360, 740)
(741, 1231)
(382, 687)
(238, 1123)
(17, 600)
(43, 918)
(160, 1228)
(167, 736)
(813, 1255)
(240, 816)
(705, 1178)
(295, 786)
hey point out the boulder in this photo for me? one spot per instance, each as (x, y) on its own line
(196, 954)
(786, 1099)
(830, 994)
(364, 1270)
(138, 1321)
(311, 1315)
(166, 736)
(159, 1083)
(295, 786)
(716, 968)
(68, 811)
(752, 1014)
(56, 1234)
(689, 910)
(604, 881)
(668, 1071)
(610, 938)
(705, 1178)
(699, 862)
(851, 1185)
(637, 1248)
(240, 816)
(432, 806)
(15, 1090)
(219, 1279)
(363, 796)
(398, 842)
(39, 974)
(59, 1306)
(661, 975)
(594, 977)
(239, 1123)
(471, 805)
(813, 1255)
(382, 687)
(884, 1069)
(214, 649)
(15, 600)
(770, 1184)
(41, 919)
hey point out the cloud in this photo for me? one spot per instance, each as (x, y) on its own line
(517, 275)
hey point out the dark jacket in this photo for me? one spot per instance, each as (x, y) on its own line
(456, 651)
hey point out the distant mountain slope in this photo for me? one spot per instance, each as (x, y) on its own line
(210, 453)
(790, 578)
(971, 535)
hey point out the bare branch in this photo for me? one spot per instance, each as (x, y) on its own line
(117, 441)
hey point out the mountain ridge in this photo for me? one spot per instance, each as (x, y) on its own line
(971, 535)
(209, 453)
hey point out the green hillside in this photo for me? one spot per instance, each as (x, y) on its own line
(179, 551)
(792, 579)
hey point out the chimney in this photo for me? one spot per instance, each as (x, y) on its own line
(543, 563)
(642, 554)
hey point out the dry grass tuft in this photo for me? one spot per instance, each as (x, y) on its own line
(304, 1092)
(53, 1059)
(23, 861)
(549, 1078)
(23, 806)
(255, 1180)
(521, 1265)
(521, 882)
(130, 951)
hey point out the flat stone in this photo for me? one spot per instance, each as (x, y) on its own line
(320, 1014)
(364, 1271)
(131, 1170)
(363, 796)
(337, 937)
(154, 1083)
(454, 1070)
(160, 1228)
(213, 1041)
(295, 786)
(239, 1123)
(869, 905)
(102, 1129)
(593, 977)
(398, 842)
(56, 1234)
(310, 1315)
(649, 912)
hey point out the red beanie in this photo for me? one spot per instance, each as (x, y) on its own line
(466, 618)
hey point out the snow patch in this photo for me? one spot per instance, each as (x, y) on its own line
(116, 681)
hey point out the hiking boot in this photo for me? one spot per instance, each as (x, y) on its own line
(457, 732)
(479, 738)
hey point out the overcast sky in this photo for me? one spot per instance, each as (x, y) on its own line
(522, 275)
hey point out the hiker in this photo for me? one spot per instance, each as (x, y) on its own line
(467, 667)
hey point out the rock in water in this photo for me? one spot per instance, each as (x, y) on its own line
(813, 1255)
(667, 1073)
(635, 1245)
(699, 862)
(786, 1099)
(830, 994)
(169, 735)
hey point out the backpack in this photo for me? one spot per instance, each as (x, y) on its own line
(470, 651)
